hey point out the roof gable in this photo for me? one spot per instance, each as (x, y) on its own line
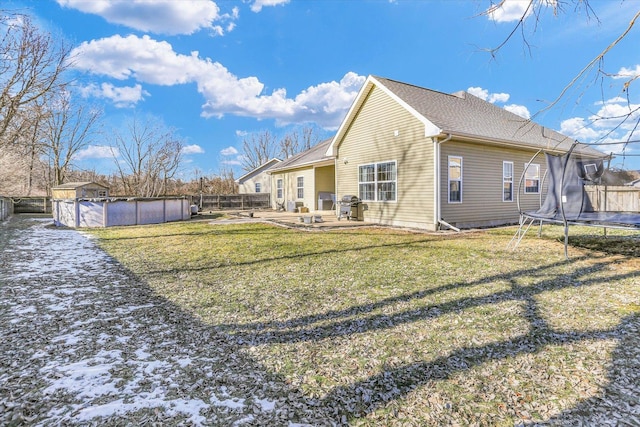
(262, 168)
(314, 155)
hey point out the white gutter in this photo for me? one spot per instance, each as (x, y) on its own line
(436, 179)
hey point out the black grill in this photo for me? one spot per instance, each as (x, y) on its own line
(351, 208)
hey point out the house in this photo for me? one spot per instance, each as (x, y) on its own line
(306, 179)
(257, 180)
(79, 190)
(421, 158)
(634, 183)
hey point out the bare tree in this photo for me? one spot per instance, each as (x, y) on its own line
(147, 157)
(297, 141)
(591, 72)
(31, 66)
(68, 128)
(258, 149)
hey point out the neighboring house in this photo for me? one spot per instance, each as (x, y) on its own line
(422, 158)
(634, 183)
(79, 190)
(302, 179)
(257, 180)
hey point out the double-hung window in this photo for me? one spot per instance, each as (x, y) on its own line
(532, 178)
(300, 187)
(279, 189)
(507, 181)
(455, 179)
(258, 187)
(378, 181)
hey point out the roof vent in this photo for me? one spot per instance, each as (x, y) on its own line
(460, 94)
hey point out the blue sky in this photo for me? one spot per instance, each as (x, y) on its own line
(218, 70)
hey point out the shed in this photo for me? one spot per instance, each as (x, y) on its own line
(78, 190)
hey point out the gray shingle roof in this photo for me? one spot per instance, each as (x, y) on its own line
(315, 154)
(73, 185)
(262, 168)
(464, 114)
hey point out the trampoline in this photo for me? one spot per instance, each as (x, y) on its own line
(567, 202)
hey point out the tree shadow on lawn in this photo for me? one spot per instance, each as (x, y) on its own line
(363, 397)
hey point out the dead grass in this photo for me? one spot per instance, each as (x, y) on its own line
(399, 328)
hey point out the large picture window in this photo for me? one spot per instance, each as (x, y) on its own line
(455, 179)
(532, 178)
(279, 189)
(507, 181)
(300, 187)
(378, 181)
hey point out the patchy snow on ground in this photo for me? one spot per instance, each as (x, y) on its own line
(86, 342)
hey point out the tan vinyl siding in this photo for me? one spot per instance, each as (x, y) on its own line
(290, 187)
(482, 203)
(249, 185)
(324, 181)
(371, 139)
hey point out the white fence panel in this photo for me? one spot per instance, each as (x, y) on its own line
(121, 212)
(111, 212)
(177, 210)
(6, 208)
(150, 212)
(64, 212)
(91, 214)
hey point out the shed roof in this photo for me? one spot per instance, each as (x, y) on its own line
(74, 185)
(463, 115)
(314, 155)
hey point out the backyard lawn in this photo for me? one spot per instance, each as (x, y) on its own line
(390, 327)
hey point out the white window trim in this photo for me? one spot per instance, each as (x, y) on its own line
(592, 166)
(279, 188)
(298, 188)
(257, 187)
(526, 168)
(504, 180)
(449, 179)
(375, 181)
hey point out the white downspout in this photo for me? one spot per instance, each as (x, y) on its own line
(436, 178)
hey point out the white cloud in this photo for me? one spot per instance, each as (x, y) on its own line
(259, 4)
(126, 96)
(578, 128)
(479, 92)
(486, 96)
(158, 16)
(232, 162)
(627, 73)
(192, 149)
(96, 152)
(498, 97)
(509, 10)
(615, 121)
(520, 110)
(229, 151)
(155, 62)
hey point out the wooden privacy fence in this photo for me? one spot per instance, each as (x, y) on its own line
(209, 202)
(31, 205)
(614, 198)
(6, 208)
